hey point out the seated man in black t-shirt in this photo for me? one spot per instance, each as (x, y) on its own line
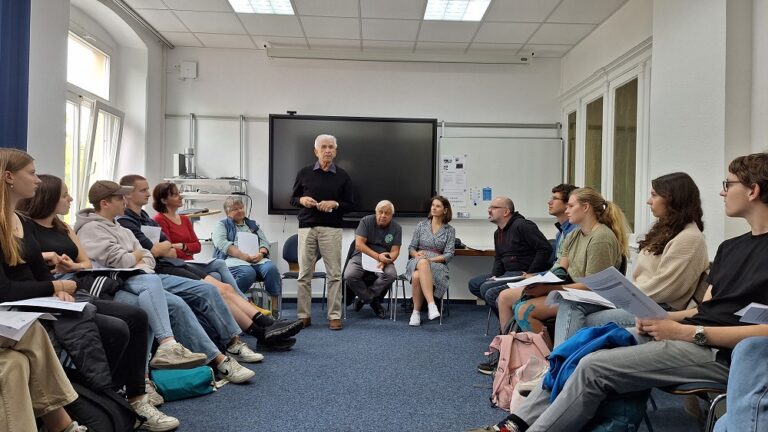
(690, 346)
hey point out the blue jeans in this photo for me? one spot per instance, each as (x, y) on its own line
(487, 290)
(151, 299)
(204, 300)
(747, 398)
(248, 274)
(218, 269)
(572, 316)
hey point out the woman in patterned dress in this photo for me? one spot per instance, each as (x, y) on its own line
(431, 249)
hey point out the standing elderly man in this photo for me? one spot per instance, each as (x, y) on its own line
(378, 237)
(323, 192)
(520, 247)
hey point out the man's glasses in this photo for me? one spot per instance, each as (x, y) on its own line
(728, 183)
(495, 207)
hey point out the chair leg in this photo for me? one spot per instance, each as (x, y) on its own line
(323, 304)
(442, 309)
(344, 301)
(488, 322)
(711, 414)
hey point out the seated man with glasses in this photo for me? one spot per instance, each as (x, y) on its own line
(520, 247)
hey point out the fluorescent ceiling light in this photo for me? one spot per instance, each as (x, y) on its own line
(274, 7)
(455, 10)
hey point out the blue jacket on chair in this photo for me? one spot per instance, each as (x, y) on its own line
(566, 356)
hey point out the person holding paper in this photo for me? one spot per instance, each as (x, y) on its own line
(520, 248)
(34, 385)
(24, 275)
(689, 346)
(672, 257)
(246, 266)
(431, 250)
(248, 316)
(377, 240)
(323, 193)
(600, 242)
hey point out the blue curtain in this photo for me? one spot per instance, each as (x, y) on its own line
(14, 72)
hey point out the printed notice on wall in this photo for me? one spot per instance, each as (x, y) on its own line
(453, 179)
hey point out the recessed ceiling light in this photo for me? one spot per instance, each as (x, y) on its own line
(455, 10)
(274, 7)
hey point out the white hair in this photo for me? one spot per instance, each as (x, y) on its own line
(324, 137)
(385, 204)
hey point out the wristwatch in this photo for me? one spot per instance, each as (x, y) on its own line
(699, 337)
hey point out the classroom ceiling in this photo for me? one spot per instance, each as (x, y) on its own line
(546, 28)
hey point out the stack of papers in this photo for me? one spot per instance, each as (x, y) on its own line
(755, 313)
(45, 302)
(612, 286)
(201, 261)
(152, 233)
(546, 278)
(370, 264)
(248, 243)
(13, 324)
(577, 295)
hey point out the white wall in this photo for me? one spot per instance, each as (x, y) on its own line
(760, 76)
(49, 25)
(233, 82)
(626, 28)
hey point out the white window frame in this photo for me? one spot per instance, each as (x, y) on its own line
(636, 63)
(99, 106)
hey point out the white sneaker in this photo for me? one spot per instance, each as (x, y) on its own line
(241, 352)
(415, 319)
(151, 390)
(175, 356)
(432, 311)
(156, 420)
(233, 372)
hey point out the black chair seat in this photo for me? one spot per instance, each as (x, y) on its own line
(696, 387)
(295, 275)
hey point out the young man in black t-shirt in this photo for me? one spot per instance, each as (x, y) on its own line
(690, 346)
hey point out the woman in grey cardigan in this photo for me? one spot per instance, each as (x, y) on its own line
(430, 250)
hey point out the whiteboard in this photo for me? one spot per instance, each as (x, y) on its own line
(524, 169)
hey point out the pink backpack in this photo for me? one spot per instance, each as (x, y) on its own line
(522, 355)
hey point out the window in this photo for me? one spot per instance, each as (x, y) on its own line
(594, 144)
(87, 67)
(93, 129)
(572, 148)
(625, 148)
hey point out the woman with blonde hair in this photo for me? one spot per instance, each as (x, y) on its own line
(601, 241)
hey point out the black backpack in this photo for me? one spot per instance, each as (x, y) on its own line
(100, 411)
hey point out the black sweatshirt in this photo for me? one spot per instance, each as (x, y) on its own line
(520, 246)
(322, 185)
(29, 280)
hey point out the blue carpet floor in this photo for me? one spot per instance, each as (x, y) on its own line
(374, 375)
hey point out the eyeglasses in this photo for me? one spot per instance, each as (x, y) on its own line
(495, 207)
(728, 183)
(556, 199)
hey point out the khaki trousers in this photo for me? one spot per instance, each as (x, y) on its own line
(326, 241)
(32, 382)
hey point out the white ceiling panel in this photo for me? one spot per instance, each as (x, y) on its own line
(441, 47)
(185, 39)
(403, 9)
(494, 47)
(271, 25)
(373, 45)
(520, 10)
(211, 22)
(567, 34)
(552, 51)
(390, 29)
(146, 4)
(321, 43)
(330, 8)
(225, 41)
(585, 11)
(280, 42)
(505, 32)
(163, 20)
(199, 5)
(441, 31)
(335, 28)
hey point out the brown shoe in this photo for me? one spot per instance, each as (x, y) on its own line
(335, 324)
(307, 321)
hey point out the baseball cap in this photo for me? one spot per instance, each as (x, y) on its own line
(104, 189)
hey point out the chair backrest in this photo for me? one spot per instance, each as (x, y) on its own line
(291, 252)
(623, 265)
(701, 288)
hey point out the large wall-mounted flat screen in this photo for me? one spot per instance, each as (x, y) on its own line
(387, 158)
